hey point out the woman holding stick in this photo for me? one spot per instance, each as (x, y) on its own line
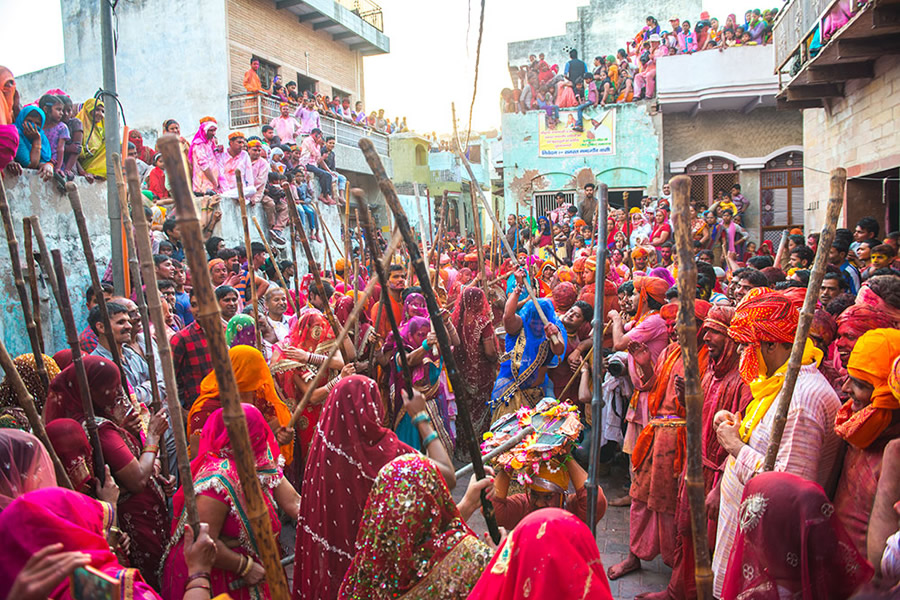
(221, 503)
(131, 458)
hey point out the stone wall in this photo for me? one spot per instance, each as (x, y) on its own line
(858, 132)
(28, 196)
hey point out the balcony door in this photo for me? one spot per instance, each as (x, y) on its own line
(781, 195)
(710, 175)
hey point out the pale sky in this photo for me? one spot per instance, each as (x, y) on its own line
(430, 64)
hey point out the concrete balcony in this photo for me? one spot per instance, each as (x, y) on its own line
(357, 23)
(738, 78)
(822, 44)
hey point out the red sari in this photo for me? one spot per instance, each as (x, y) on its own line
(215, 476)
(349, 448)
(144, 515)
(81, 524)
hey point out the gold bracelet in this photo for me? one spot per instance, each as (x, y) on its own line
(152, 448)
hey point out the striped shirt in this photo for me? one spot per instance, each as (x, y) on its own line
(808, 449)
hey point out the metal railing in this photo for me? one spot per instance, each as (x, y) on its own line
(255, 110)
(796, 24)
(367, 10)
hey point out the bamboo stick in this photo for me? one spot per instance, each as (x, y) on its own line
(114, 348)
(386, 305)
(294, 257)
(347, 233)
(329, 260)
(44, 260)
(479, 242)
(87, 404)
(210, 319)
(421, 224)
(327, 230)
(30, 326)
(460, 387)
(557, 339)
(26, 402)
(313, 266)
(693, 394)
(154, 302)
(32, 280)
(354, 315)
(251, 270)
(430, 228)
(275, 264)
(835, 203)
(511, 442)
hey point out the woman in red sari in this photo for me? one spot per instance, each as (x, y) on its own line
(221, 503)
(477, 356)
(77, 523)
(662, 231)
(133, 464)
(74, 451)
(349, 448)
(413, 542)
(550, 554)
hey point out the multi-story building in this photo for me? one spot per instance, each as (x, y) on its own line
(840, 63)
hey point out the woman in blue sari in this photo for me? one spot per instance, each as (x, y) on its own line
(34, 147)
(530, 351)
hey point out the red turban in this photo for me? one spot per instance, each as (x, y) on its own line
(564, 296)
(823, 327)
(762, 316)
(719, 318)
(858, 319)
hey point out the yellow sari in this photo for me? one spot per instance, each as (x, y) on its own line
(93, 148)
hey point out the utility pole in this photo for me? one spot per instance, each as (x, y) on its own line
(112, 139)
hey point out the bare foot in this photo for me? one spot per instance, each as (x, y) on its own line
(623, 501)
(663, 595)
(629, 565)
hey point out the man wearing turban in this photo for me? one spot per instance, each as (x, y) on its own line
(659, 452)
(764, 324)
(867, 421)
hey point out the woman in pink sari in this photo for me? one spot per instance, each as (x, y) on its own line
(221, 503)
(565, 96)
(79, 527)
(24, 465)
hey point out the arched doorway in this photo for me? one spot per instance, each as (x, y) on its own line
(709, 175)
(781, 203)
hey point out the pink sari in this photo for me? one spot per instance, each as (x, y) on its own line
(80, 523)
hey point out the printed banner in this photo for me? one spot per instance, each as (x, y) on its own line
(557, 135)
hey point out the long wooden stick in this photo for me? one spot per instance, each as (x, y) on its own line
(693, 394)
(479, 241)
(294, 256)
(421, 224)
(557, 339)
(114, 349)
(32, 279)
(211, 321)
(329, 259)
(87, 404)
(26, 402)
(251, 270)
(13, 244)
(460, 387)
(154, 301)
(347, 233)
(511, 442)
(430, 228)
(339, 341)
(835, 202)
(275, 264)
(327, 230)
(311, 261)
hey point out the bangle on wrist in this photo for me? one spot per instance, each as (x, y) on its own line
(202, 586)
(430, 438)
(330, 385)
(425, 345)
(420, 417)
(151, 448)
(199, 575)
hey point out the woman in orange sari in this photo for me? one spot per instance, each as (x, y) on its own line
(256, 386)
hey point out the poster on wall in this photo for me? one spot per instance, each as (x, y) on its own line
(557, 135)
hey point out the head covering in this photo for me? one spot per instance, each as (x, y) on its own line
(24, 465)
(790, 541)
(93, 140)
(348, 449)
(823, 326)
(339, 265)
(64, 397)
(27, 369)
(858, 319)
(252, 375)
(639, 252)
(199, 138)
(762, 316)
(868, 297)
(311, 332)
(653, 287)
(71, 444)
(214, 262)
(550, 554)
(63, 359)
(80, 523)
(894, 379)
(871, 361)
(719, 319)
(551, 477)
(7, 96)
(564, 296)
(410, 525)
(471, 315)
(241, 331)
(23, 152)
(664, 274)
(565, 274)
(414, 306)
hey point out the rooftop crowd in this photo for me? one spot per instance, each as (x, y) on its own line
(630, 74)
(365, 472)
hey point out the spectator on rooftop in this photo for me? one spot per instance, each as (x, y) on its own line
(33, 151)
(651, 28)
(757, 28)
(143, 168)
(310, 155)
(380, 121)
(291, 89)
(56, 131)
(205, 167)
(156, 178)
(328, 163)
(359, 115)
(308, 116)
(93, 148)
(260, 169)
(574, 72)
(645, 81)
(286, 126)
(278, 90)
(251, 78)
(235, 157)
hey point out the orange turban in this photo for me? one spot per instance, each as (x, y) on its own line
(762, 316)
(235, 134)
(654, 287)
(669, 311)
(639, 252)
(894, 379)
(578, 265)
(565, 273)
(872, 361)
(205, 119)
(339, 265)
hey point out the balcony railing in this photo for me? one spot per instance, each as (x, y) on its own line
(367, 10)
(252, 111)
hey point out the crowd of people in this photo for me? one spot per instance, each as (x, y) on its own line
(302, 103)
(363, 469)
(630, 74)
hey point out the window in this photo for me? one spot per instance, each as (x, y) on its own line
(267, 72)
(546, 201)
(781, 196)
(339, 93)
(306, 84)
(708, 176)
(421, 156)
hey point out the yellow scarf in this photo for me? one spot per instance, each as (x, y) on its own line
(766, 388)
